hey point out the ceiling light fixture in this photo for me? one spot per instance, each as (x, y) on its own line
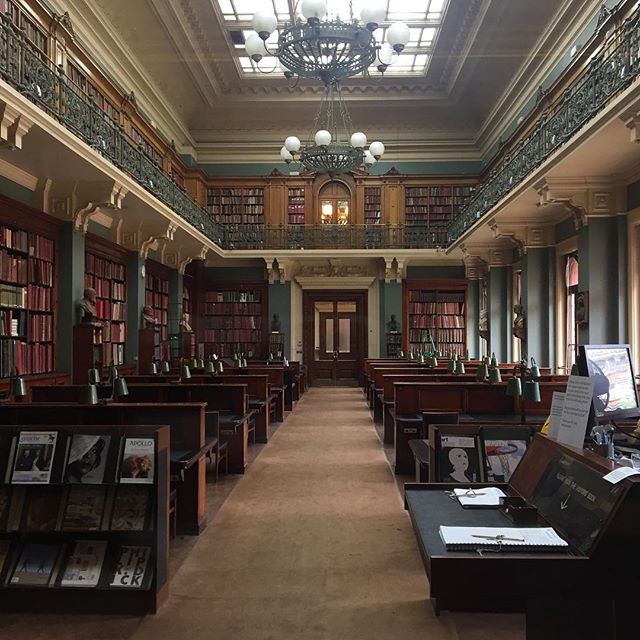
(331, 147)
(326, 46)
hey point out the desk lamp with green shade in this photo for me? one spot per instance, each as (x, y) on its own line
(525, 384)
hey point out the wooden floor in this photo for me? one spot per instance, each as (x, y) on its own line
(312, 543)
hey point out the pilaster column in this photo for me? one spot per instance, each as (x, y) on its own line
(135, 303)
(475, 271)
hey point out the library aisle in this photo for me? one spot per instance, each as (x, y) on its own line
(312, 544)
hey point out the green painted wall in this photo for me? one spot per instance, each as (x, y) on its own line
(500, 325)
(175, 300)
(280, 303)
(135, 303)
(70, 292)
(390, 304)
(16, 191)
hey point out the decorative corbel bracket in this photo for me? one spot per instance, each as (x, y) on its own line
(155, 236)
(272, 269)
(13, 126)
(573, 200)
(515, 235)
(186, 255)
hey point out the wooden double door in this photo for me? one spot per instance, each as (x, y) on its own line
(334, 336)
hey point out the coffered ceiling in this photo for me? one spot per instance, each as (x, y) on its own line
(466, 56)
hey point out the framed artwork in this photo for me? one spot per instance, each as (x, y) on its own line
(502, 450)
(459, 458)
(582, 307)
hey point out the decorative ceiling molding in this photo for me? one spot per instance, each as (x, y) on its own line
(95, 33)
(570, 21)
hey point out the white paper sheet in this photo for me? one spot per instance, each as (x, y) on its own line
(555, 415)
(481, 497)
(511, 536)
(575, 412)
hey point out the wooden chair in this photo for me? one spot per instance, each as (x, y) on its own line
(219, 450)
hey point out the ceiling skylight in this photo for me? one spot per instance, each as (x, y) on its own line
(424, 18)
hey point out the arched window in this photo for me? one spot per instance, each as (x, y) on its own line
(335, 203)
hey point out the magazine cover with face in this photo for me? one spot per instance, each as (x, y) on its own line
(459, 459)
(87, 459)
(34, 457)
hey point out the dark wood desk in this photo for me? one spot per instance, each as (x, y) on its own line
(579, 594)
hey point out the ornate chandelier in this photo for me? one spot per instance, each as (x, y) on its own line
(328, 47)
(331, 150)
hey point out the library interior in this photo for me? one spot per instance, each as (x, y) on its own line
(309, 306)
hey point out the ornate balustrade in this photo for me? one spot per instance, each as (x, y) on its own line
(330, 236)
(608, 74)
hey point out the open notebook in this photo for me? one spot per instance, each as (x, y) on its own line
(518, 539)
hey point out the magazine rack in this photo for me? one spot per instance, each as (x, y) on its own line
(22, 502)
(583, 593)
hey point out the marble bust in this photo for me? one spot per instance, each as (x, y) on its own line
(148, 319)
(87, 306)
(519, 321)
(392, 325)
(275, 324)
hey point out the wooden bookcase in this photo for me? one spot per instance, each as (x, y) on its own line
(372, 205)
(435, 206)
(394, 344)
(436, 308)
(238, 205)
(296, 205)
(106, 272)
(235, 320)
(156, 295)
(38, 516)
(28, 290)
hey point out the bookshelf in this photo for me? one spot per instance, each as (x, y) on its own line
(156, 296)
(394, 344)
(235, 320)
(436, 308)
(435, 206)
(105, 271)
(238, 205)
(28, 286)
(187, 338)
(372, 205)
(295, 206)
(62, 537)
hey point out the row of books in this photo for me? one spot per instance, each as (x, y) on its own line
(41, 328)
(41, 272)
(420, 308)
(39, 298)
(111, 352)
(439, 335)
(13, 296)
(104, 268)
(438, 191)
(104, 288)
(232, 335)
(39, 358)
(111, 332)
(232, 296)
(239, 218)
(12, 267)
(431, 321)
(41, 247)
(14, 239)
(233, 322)
(13, 323)
(155, 283)
(157, 300)
(238, 308)
(79, 563)
(107, 310)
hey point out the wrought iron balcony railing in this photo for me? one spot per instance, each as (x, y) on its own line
(608, 74)
(331, 236)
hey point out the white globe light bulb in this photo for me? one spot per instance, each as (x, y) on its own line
(255, 47)
(292, 144)
(323, 138)
(374, 13)
(286, 155)
(398, 35)
(368, 158)
(385, 55)
(264, 23)
(358, 140)
(313, 9)
(376, 149)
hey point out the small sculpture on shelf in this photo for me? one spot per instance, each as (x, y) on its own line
(184, 323)
(87, 306)
(519, 325)
(275, 323)
(149, 321)
(483, 324)
(392, 325)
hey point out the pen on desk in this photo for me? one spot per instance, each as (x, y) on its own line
(498, 538)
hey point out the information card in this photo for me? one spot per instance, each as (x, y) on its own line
(575, 412)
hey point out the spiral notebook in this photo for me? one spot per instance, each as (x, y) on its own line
(510, 538)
